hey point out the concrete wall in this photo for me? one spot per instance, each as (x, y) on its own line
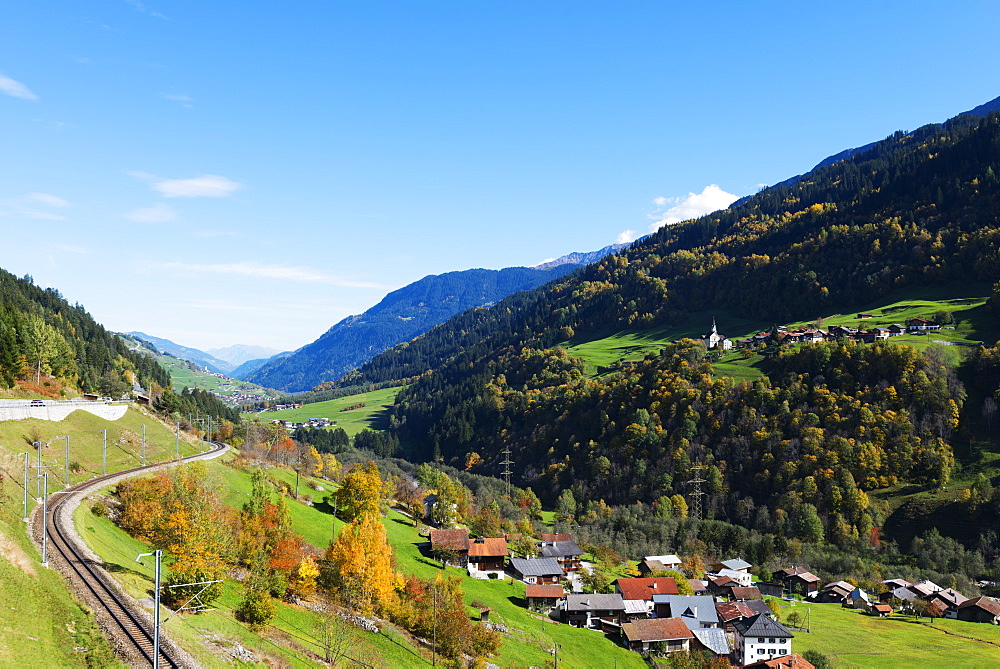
(56, 411)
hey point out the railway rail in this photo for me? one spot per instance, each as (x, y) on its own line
(132, 631)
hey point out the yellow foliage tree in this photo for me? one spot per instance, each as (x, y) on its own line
(362, 492)
(359, 566)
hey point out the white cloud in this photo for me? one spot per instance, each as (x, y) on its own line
(676, 209)
(47, 199)
(158, 213)
(261, 271)
(27, 206)
(185, 100)
(625, 237)
(15, 89)
(207, 185)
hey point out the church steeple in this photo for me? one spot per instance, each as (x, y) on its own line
(714, 329)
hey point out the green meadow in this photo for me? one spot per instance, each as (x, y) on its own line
(372, 415)
(853, 639)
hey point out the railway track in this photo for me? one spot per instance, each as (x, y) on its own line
(132, 630)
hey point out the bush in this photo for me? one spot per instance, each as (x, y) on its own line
(493, 576)
(256, 609)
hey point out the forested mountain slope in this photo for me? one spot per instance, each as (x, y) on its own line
(44, 339)
(793, 452)
(400, 316)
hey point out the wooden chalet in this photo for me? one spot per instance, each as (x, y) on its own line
(452, 545)
(979, 610)
(731, 613)
(640, 634)
(566, 552)
(798, 580)
(536, 570)
(743, 594)
(488, 554)
(593, 610)
(542, 598)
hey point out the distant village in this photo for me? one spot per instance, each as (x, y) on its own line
(780, 334)
(727, 612)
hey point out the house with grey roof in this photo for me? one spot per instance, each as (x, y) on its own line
(566, 552)
(712, 639)
(593, 610)
(536, 570)
(760, 638)
(697, 611)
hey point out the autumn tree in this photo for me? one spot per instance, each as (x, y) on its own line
(362, 492)
(357, 566)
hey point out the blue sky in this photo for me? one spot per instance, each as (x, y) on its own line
(220, 173)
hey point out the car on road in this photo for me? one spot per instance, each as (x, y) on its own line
(37, 403)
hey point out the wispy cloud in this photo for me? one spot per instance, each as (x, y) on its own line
(207, 185)
(298, 274)
(35, 206)
(69, 248)
(47, 199)
(676, 209)
(158, 213)
(15, 89)
(184, 100)
(140, 7)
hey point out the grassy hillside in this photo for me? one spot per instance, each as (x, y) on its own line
(46, 627)
(371, 415)
(292, 636)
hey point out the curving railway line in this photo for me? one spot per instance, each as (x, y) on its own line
(131, 630)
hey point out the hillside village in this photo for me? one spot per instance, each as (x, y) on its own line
(726, 611)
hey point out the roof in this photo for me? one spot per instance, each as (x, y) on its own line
(491, 547)
(745, 593)
(843, 585)
(793, 661)
(636, 606)
(736, 564)
(537, 566)
(800, 573)
(925, 588)
(952, 596)
(560, 549)
(595, 603)
(556, 537)
(546, 590)
(882, 608)
(714, 639)
(645, 588)
(698, 585)
(984, 603)
(757, 606)
(897, 583)
(761, 625)
(665, 559)
(733, 574)
(454, 540)
(692, 609)
(723, 581)
(657, 629)
(653, 565)
(730, 611)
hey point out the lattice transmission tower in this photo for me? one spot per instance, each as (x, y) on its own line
(695, 494)
(506, 463)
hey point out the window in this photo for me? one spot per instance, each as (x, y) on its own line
(782, 652)
(770, 640)
(782, 640)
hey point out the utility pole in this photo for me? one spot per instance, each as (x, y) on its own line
(177, 441)
(105, 450)
(696, 492)
(156, 606)
(434, 647)
(143, 444)
(38, 469)
(506, 463)
(26, 455)
(67, 459)
(45, 519)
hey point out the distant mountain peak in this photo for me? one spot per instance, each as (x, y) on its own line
(582, 258)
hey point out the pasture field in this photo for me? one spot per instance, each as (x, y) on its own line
(371, 415)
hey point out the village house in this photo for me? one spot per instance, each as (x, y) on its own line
(593, 611)
(543, 598)
(736, 564)
(950, 599)
(699, 586)
(731, 613)
(697, 611)
(721, 585)
(653, 563)
(880, 610)
(566, 552)
(711, 639)
(669, 634)
(979, 610)
(487, 556)
(857, 599)
(743, 594)
(450, 546)
(919, 324)
(834, 593)
(793, 661)
(744, 578)
(760, 638)
(643, 589)
(536, 570)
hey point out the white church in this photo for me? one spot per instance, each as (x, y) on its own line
(714, 340)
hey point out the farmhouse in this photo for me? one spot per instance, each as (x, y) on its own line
(593, 610)
(567, 553)
(536, 570)
(487, 555)
(760, 638)
(451, 546)
(697, 611)
(543, 598)
(671, 632)
(643, 589)
(979, 610)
